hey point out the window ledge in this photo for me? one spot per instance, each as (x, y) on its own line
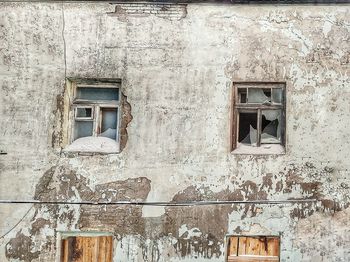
(267, 149)
(91, 145)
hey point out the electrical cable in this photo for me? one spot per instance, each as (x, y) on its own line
(160, 203)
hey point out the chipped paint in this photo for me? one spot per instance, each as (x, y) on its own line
(177, 64)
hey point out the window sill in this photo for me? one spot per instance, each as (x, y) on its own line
(93, 145)
(267, 149)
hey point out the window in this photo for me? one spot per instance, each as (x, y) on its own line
(252, 248)
(95, 113)
(258, 124)
(86, 247)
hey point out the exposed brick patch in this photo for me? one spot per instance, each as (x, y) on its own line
(166, 11)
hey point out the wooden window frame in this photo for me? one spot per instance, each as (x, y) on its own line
(238, 108)
(96, 105)
(257, 257)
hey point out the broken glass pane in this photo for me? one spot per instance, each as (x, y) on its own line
(247, 122)
(253, 136)
(109, 122)
(277, 95)
(95, 93)
(84, 112)
(82, 129)
(259, 95)
(271, 127)
(272, 114)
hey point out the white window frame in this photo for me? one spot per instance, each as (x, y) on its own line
(80, 118)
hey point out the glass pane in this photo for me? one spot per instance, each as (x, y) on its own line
(242, 95)
(84, 112)
(259, 95)
(277, 95)
(82, 129)
(271, 127)
(95, 93)
(247, 128)
(109, 122)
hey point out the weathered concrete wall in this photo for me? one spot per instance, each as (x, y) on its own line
(177, 64)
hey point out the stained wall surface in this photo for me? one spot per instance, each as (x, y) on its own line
(177, 64)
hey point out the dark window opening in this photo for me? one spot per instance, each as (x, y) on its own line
(247, 122)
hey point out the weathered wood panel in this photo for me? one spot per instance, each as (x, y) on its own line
(242, 242)
(87, 249)
(253, 248)
(233, 245)
(252, 259)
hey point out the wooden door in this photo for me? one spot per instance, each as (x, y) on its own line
(87, 249)
(253, 248)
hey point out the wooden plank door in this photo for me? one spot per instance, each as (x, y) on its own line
(253, 248)
(87, 249)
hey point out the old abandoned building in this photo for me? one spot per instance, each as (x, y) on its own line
(192, 131)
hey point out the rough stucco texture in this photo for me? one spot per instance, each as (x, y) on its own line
(177, 64)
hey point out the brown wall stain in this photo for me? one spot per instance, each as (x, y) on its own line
(20, 248)
(61, 182)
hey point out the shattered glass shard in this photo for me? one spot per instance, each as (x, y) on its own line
(253, 136)
(257, 95)
(271, 134)
(272, 114)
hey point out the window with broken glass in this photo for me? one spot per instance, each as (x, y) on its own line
(96, 110)
(258, 115)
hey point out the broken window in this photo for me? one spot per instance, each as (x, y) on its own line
(86, 248)
(95, 115)
(253, 248)
(258, 114)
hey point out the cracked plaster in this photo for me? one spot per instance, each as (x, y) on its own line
(177, 75)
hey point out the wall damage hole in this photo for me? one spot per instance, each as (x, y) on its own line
(253, 248)
(87, 248)
(170, 11)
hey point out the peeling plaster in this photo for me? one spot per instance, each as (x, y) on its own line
(177, 72)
